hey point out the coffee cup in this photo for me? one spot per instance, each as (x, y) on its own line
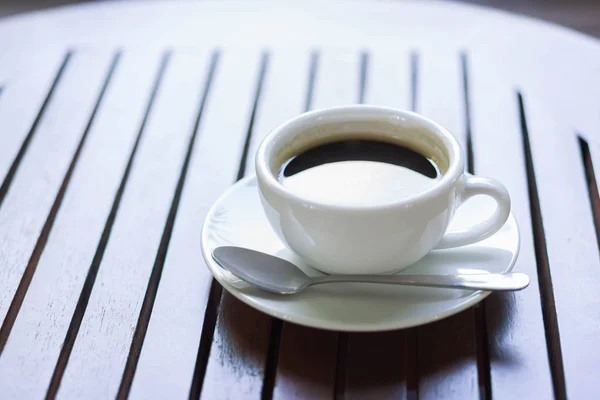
(371, 237)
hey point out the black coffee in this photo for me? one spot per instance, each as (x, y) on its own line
(359, 171)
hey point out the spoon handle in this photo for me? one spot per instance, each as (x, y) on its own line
(488, 282)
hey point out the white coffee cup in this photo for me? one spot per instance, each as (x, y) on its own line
(361, 239)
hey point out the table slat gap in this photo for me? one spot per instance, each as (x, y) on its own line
(411, 358)
(464, 65)
(364, 69)
(94, 267)
(481, 333)
(483, 354)
(341, 373)
(220, 303)
(414, 79)
(216, 291)
(110, 318)
(447, 349)
(277, 326)
(172, 362)
(27, 276)
(388, 84)
(17, 160)
(325, 88)
(518, 354)
(154, 281)
(90, 279)
(43, 320)
(206, 338)
(541, 255)
(315, 56)
(261, 78)
(592, 184)
(411, 364)
(272, 359)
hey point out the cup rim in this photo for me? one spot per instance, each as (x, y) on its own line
(266, 177)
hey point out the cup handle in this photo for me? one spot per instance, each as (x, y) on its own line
(473, 186)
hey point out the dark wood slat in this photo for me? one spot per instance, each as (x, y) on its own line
(519, 365)
(447, 364)
(572, 275)
(240, 343)
(375, 366)
(446, 349)
(15, 114)
(40, 246)
(589, 155)
(272, 361)
(90, 279)
(238, 353)
(157, 269)
(44, 166)
(283, 97)
(337, 81)
(42, 324)
(100, 351)
(543, 264)
(341, 366)
(166, 365)
(22, 101)
(306, 369)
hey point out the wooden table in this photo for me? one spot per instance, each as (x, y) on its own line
(121, 123)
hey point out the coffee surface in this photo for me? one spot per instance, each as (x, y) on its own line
(359, 172)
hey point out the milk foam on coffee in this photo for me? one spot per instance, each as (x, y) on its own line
(359, 172)
(358, 182)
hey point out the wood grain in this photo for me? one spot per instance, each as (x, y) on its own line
(337, 81)
(592, 183)
(40, 245)
(518, 349)
(22, 104)
(239, 347)
(283, 95)
(376, 363)
(166, 365)
(47, 309)
(238, 353)
(446, 349)
(306, 369)
(376, 366)
(498, 35)
(574, 265)
(99, 354)
(41, 172)
(165, 240)
(519, 365)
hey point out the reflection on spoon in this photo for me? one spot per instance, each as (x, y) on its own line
(279, 276)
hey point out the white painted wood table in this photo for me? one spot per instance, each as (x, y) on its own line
(121, 123)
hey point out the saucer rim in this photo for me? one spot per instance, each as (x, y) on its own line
(394, 324)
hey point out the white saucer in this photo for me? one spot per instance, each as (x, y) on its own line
(237, 219)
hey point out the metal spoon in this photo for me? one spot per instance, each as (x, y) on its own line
(276, 275)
